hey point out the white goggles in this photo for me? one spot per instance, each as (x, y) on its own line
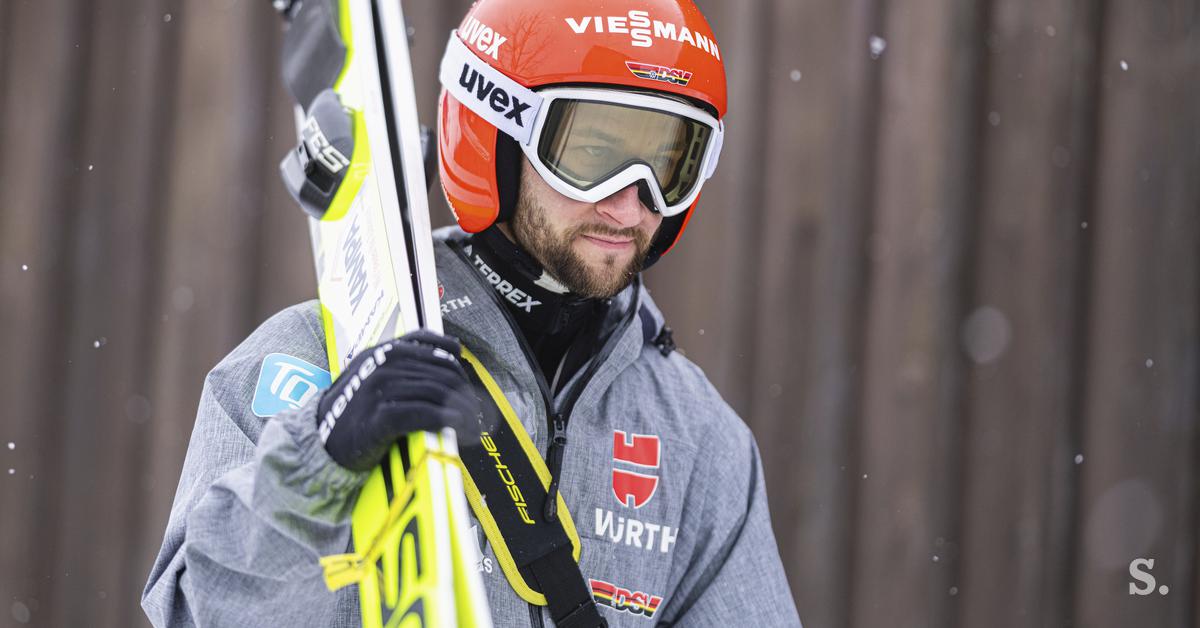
(588, 143)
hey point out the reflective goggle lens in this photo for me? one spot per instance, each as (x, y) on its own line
(586, 143)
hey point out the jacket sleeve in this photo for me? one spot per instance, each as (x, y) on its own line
(736, 577)
(257, 504)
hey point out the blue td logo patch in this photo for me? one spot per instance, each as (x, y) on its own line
(286, 382)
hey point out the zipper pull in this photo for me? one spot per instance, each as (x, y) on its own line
(558, 443)
(560, 320)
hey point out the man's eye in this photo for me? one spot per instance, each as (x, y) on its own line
(595, 151)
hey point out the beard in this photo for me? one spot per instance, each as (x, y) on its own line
(553, 251)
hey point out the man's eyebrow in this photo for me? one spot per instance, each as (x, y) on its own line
(599, 134)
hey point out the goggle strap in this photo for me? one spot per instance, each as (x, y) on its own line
(503, 102)
(715, 152)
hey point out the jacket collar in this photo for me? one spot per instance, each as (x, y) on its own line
(470, 313)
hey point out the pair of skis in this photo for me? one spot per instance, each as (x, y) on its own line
(360, 174)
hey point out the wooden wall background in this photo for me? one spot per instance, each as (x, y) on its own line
(953, 286)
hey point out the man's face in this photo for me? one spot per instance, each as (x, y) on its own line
(594, 249)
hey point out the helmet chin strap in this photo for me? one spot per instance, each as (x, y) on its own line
(508, 176)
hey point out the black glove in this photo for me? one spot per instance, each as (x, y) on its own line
(413, 383)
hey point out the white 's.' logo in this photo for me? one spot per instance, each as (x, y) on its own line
(1139, 569)
(643, 30)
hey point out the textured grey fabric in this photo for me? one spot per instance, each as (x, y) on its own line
(259, 500)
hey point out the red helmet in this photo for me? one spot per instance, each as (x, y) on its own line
(528, 75)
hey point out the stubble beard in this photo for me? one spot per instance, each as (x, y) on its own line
(556, 256)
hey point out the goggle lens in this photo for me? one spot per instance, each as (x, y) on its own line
(586, 143)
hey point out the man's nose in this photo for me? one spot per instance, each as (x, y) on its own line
(623, 208)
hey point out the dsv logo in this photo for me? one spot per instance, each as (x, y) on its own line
(492, 95)
(1139, 569)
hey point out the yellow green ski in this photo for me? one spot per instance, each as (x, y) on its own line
(359, 173)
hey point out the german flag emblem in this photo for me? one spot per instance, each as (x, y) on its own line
(659, 73)
(634, 602)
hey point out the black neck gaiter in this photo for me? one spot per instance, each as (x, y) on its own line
(562, 328)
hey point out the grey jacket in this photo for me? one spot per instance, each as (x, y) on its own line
(662, 478)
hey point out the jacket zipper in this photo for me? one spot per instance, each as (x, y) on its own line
(557, 420)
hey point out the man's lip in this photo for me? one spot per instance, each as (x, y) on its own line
(607, 240)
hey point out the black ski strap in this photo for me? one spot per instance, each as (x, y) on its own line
(507, 485)
(570, 600)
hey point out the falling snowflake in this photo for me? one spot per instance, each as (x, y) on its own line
(1078, 458)
(24, 266)
(796, 76)
(878, 45)
(167, 17)
(1124, 66)
(11, 445)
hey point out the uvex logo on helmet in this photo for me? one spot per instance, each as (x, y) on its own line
(483, 38)
(494, 96)
(643, 30)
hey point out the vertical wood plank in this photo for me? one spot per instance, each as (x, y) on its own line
(913, 392)
(42, 123)
(150, 96)
(212, 227)
(1139, 499)
(810, 325)
(1022, 334)
(112, 268)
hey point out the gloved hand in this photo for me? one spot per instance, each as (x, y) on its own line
(413, 383)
